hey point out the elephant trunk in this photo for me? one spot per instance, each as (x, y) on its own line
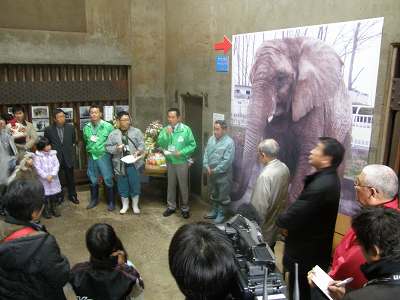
(259, 110)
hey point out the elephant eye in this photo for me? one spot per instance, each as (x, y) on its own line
(280, 79)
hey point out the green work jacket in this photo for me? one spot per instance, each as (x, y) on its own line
(100, 133)
(181, 139)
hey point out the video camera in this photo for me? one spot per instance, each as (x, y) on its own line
(258, 276)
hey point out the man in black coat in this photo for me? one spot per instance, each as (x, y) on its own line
(310, 221)
(62, 139)
(31, 265)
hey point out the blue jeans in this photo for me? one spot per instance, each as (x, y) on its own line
(129, 184)
(101, 166)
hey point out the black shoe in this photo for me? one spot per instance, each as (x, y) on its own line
(186, 214)
(46, 211)
(54, 208)
(74, 199)
(168, 212)
(94, 196)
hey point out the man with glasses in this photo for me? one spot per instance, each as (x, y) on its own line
(376, 186)
(124, 141)
(270, 192)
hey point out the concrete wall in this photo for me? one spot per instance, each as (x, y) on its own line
(194, 26)
(119, 32)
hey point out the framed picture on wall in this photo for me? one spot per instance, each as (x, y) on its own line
(84, 112)
(69, 114)
(83, 122)
(119, 108)
(40, 112)
(40, 124)
(10, 110)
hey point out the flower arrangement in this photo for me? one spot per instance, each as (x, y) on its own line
(150, 140)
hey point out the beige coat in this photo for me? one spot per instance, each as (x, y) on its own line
(269, 197)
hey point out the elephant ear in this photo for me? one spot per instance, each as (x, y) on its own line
(318, 77)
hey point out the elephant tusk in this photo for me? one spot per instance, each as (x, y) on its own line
(270, 119)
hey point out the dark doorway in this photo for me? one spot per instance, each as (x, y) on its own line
(193, 117)
(392, 153)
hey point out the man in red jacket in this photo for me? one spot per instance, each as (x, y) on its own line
(376, 186)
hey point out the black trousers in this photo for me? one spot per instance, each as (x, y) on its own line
(304, 267)
(66, 174)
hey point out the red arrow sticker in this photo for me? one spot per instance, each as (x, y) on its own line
(225, 45)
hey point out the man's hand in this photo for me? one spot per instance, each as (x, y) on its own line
(49, 178)
(121, 256)
(336, 292)
(209, 171)
(120, 147)
(310, 276)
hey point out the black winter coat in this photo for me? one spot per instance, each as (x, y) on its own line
(31, 267)
(378, 287)
(310, 221)
(105, 280)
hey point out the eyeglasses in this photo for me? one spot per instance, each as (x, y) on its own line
(357, 185)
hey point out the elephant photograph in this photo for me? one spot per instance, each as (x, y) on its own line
(296, 85)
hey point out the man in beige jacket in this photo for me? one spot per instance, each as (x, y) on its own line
(270, 192)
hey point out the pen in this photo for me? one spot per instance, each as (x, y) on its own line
(344, 282)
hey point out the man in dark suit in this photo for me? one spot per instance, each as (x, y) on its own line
(62, 139)
(309, 222)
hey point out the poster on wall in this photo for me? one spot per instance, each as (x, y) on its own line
(83, 122)
(119, 108)
(40, 124)
(69, 114)
(84, 112)
(40, 112)
(297, 84)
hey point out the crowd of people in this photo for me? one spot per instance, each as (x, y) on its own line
(201, 257)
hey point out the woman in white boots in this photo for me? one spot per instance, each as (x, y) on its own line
(127, 143)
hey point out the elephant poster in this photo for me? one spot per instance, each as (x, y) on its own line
(297, 84)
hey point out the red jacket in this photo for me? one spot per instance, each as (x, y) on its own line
(348, 256)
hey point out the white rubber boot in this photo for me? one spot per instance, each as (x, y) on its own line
(135, 205)
(125, 205)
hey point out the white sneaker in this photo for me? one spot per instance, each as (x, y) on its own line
(125, 205)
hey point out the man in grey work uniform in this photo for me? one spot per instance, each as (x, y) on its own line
(217, 162)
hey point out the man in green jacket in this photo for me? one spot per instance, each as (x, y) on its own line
(217, 162)
(178, 144)
(95, 134)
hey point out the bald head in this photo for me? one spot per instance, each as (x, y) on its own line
(382, 178)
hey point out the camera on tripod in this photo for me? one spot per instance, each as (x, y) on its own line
(258, 276)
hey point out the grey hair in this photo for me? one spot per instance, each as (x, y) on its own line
(269, 147)
(382, 178)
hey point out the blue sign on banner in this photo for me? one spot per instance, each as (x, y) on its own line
(222, 63)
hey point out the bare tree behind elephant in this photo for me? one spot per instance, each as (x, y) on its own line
(298, 95)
